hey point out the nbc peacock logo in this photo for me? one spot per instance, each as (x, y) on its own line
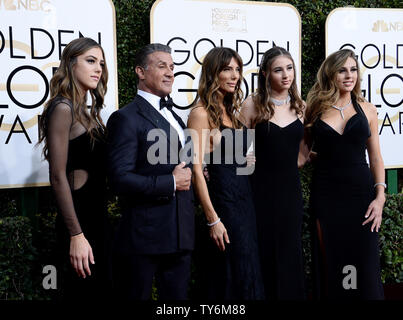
(8, 5)
(380, 25)
(29, 5)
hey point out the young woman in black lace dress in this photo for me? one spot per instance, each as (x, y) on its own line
(347, 195)
(73, 137)
(231, 264)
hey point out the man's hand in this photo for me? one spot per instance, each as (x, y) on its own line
(182, 176)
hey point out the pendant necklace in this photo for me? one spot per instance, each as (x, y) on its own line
(341, 109)
(277, 102)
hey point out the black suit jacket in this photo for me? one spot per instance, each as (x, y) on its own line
(155, 219)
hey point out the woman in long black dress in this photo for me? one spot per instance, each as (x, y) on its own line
(347, 196)
(74, 145)
(231, 266)
(276, 112)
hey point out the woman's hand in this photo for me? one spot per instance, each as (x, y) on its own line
(81, 255)
(374, 213)
(250, 159)
(219, 234)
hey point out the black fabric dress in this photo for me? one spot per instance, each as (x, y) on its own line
(342, 189)
(90, 207)
(235, 273)
(279, 209)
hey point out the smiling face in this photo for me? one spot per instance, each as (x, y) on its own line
(346, 76)
(281, 74)
(228, 77)
(88, 69)
(158, 76)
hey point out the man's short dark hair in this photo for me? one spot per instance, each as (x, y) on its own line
(141, 58)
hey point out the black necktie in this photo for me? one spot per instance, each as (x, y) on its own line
(166, 104)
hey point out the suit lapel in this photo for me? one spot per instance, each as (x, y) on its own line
(179, 119)
(182, 154)
(152, 115)
(182, 124)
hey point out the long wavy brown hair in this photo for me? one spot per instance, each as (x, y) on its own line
(261, 98)
(64, 85)
(214, 62)
(325, 92)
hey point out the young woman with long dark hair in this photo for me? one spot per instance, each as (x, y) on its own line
(276, 112)
(73, 135)
(231, 264)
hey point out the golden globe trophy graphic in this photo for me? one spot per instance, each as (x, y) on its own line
(33, 34)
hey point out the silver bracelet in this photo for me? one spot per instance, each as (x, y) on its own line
(214, 223)
(380, 184)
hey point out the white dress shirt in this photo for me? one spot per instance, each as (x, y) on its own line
(155, 102)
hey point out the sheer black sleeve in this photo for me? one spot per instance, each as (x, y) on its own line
(58, 135)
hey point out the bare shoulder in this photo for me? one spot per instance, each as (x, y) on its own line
(370, 110)
(368, 107)
(249, 103)
(248, 108)
(248, 111)
(198, 116)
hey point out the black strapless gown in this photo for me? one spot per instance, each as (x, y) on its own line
(90, 206)
(342, 189)
(235, 273)
(279, 209)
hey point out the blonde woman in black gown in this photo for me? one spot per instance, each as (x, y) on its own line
(347, 195)
(74, 145)
(276, 113)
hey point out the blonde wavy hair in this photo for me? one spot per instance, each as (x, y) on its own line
(325, 92)
(261, 98)
(65, 85)
(214, 62)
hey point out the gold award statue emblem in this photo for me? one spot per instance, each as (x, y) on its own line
(33, 35)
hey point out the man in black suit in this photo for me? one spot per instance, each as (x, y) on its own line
(155, 236)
